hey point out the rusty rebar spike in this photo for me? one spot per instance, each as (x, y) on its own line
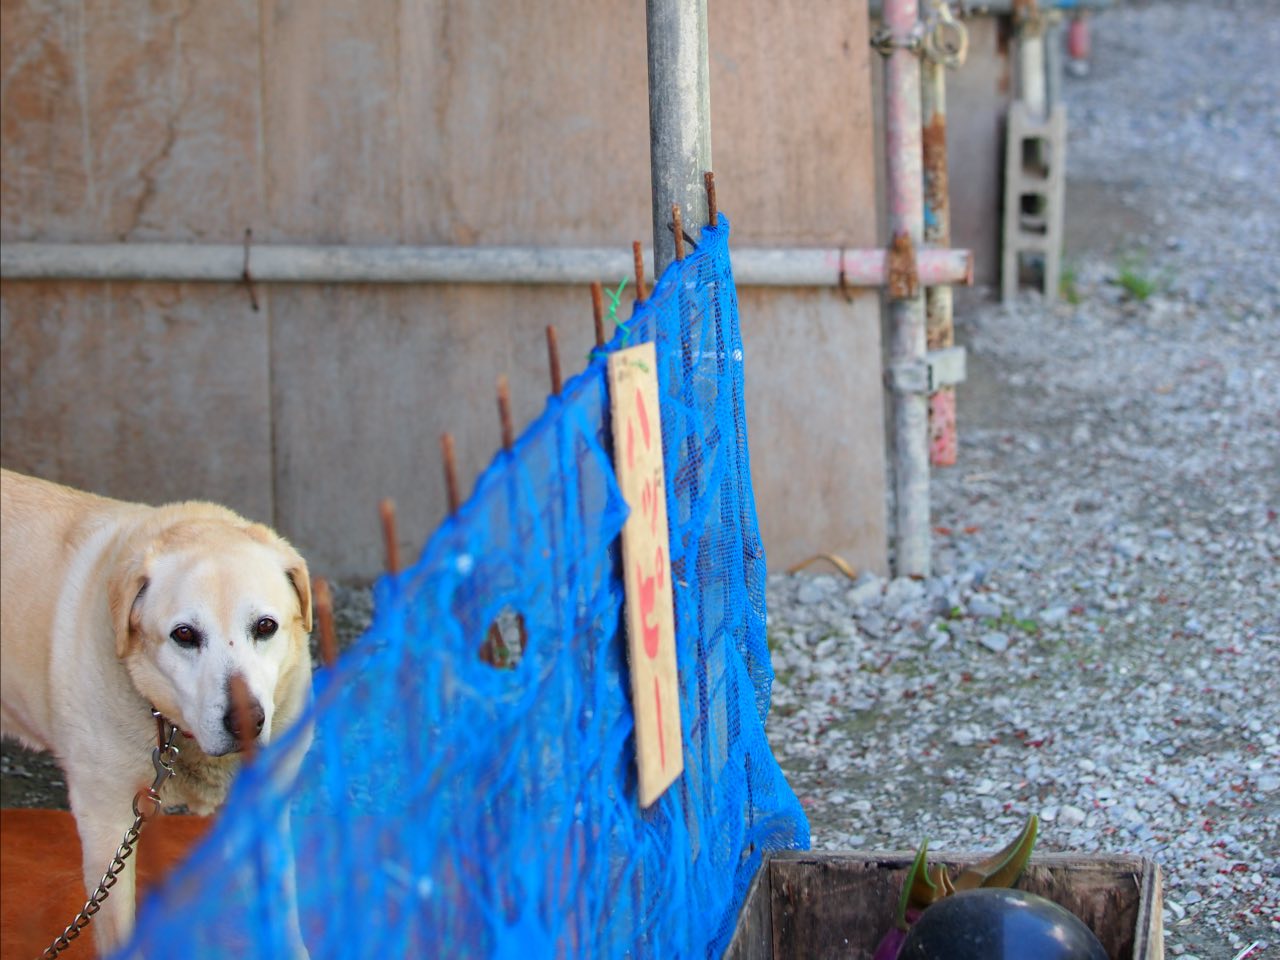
(240, 700)
(504, 413)
(678, 227)
(713, 215)
(387, 510)
(597, 311)
(324, 621)
(450, 472)
(553, 359)
(637, 253)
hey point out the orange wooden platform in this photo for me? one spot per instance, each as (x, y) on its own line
(41, 889)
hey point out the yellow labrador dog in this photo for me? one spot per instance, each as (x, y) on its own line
(111, 609)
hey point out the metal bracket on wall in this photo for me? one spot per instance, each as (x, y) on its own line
(941, 368)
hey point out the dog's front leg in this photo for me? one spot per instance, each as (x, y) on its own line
(102, 818)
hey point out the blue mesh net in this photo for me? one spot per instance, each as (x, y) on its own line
(447, 807)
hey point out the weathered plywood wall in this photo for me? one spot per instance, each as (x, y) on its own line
(393, 122)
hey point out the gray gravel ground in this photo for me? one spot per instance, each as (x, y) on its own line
(1100, 643)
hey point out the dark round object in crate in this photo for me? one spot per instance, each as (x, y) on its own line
(999, 924)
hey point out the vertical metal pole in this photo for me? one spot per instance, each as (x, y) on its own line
(907, 334)
(679, 117)
(1031, 63)
(939, 330)
(1053, 55)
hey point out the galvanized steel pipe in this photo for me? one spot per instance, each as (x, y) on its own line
(679, 118)
(904, 183)
(289, 263)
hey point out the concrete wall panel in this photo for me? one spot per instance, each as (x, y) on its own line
(819, 482)
(130, 122)
(151, 392)
(366, 381)
(389, 122)
(791, 122)
(525, 128)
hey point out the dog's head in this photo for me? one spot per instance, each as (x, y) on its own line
(204, 601)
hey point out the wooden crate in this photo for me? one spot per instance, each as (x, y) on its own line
(820, 905)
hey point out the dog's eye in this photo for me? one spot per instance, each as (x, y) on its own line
(185, 636)
(265, 628)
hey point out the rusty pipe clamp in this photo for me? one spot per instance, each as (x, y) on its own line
(941, 37)
(945, 40)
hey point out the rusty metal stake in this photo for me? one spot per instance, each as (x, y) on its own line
(637, 254)
(387, 511)
(939, 329)
(504, 414)
(553, 360)
(597, 311)
(324, 621)
(450, 472)
(678, 229)
(713, 213)
(907, 332)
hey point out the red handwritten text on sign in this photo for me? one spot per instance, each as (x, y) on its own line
(655, 690)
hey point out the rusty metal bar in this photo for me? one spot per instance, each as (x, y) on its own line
(553, 360)
(904, 181)
(504, 414)
(637, 258)
(450, 460)
(324, 622)
(679, 116)
(597, 311)
(390, 538)
(939, 328)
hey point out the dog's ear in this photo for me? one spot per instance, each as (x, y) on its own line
(295, 568)
(296, 571)
(125, 589)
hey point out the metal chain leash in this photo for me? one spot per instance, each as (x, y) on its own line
(162, 758)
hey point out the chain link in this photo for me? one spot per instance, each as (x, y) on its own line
(162, 758)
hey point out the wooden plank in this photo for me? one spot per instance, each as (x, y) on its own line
(646, 552)
(839, 905)
(753, 934)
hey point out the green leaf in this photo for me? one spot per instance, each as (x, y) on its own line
(1003, 868)
(918, 870)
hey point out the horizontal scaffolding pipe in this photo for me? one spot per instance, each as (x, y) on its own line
(279, 263)
(1004, 7)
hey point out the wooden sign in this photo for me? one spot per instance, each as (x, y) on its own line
(650, 614)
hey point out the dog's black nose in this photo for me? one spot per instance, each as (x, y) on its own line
(245, 717)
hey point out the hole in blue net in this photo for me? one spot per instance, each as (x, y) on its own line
(506, 640)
